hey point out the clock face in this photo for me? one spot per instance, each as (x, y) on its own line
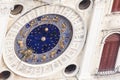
(44, 40)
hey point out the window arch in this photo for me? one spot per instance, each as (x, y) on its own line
(110, 52)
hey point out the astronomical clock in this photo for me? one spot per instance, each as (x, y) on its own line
(45, 41)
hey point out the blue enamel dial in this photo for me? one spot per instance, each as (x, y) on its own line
(43, 39)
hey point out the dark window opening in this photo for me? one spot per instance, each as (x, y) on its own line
(5, 74)
(17, 9)
(84, 4)
(70, 69)
(109, 53)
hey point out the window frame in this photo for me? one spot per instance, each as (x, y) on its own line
(101, 51)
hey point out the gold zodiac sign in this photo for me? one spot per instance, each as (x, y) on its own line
(21, 44)
(45, 18)
(63, 27)
(52, 54)
(23, 34)
(44, 57)
(34, 58)
(61, 43)
(32, 23)
(56, 19)
(26, 54)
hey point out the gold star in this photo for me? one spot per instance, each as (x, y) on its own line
(20, 42)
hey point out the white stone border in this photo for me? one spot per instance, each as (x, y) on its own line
(32, 71)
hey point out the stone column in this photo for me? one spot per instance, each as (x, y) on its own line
(92, 38)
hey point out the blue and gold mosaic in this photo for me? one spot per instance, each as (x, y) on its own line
(43, 39)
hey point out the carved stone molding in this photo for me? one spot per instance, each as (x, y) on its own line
(5, 8)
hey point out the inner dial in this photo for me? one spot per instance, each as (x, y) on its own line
(43, 39)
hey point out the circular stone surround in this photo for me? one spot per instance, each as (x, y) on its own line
(73, 47)
(43, 39)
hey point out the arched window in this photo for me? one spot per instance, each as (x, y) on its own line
(116, 6)
(109, 53)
